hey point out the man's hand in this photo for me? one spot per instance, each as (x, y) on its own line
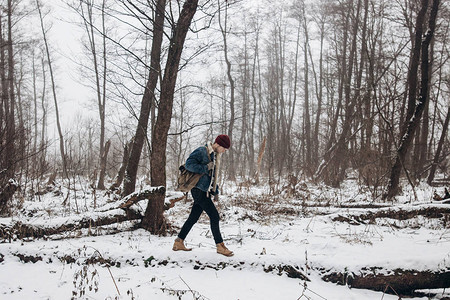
(210, 165)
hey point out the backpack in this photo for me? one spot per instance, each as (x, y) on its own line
(186, 180)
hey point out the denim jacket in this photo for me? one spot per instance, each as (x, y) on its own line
(197, 163)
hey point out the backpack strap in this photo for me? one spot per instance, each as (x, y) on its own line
(210, 150)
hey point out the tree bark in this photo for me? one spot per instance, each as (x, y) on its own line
(350, 102)
(439, 148)
(342, 63)
(315, 141)
(138, 196)
(103, 161)
(100, 77)
(154, 219)
(123, 166)
(5, 115)
(337, 160)
(330, 147)
(223, 29)
(105, 215)
(147, 100)
(306, 109)
(11, 155)
(58, 123)
(7, 129)
(414, 66)
(422, 145)
(43, 146)
(20, 230)
(401, 282)
(412, 124)
(365, 105)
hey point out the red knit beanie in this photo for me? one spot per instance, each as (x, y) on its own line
(223, 140)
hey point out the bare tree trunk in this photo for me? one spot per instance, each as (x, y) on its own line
(243, 146)
(441, 78)
(7, 130)
(422, 156)
(103, 160)
(296, 67)
(11, 127)
(315, 141)
(323, 170)
(58, 123)
(100, 78)
(223, 29)
(350, 102)
(342, 74)
(262, 148)
(22, 147)
(439, 148)
(123, 166)
(3, 100)
(42, 146)
(255, 99)
(414, 66)
(147, 100)
(8, 134)
(5, 139)
(337, 158)
(307, 118)
(154, 219)
(365, 103)
(35, 116)
(281, 121)
(412, 124)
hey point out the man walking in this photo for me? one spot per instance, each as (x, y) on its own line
(203, 161)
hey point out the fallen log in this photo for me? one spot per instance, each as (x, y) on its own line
(144, 195)
(400, 282)
(290, 271)
(431, 212)
(141, 195)
(105, 215)
(173, 201)
(20, 230)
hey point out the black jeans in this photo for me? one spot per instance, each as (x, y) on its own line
(202, 203)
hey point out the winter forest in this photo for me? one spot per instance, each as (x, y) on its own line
(335, 185)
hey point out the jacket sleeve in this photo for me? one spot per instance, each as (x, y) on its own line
(197, 161)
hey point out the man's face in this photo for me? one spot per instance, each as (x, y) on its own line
(221, 149)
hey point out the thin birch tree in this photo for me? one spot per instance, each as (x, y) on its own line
(53, 85)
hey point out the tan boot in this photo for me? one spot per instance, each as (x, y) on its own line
(179, 245)
(221, 249)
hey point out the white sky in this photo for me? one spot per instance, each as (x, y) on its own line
(73, 97)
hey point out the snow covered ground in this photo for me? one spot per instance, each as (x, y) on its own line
(314, 230)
